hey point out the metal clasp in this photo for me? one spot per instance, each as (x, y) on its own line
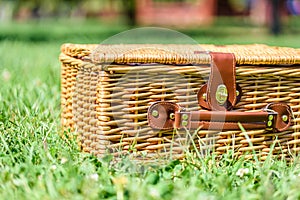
(221, 94)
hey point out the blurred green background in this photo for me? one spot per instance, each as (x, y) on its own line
(274, 22)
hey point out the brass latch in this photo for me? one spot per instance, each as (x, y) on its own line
(221, 94)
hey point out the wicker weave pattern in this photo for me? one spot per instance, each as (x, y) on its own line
(107, 103)
(245, 54)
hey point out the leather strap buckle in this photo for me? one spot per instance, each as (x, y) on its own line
(202, 97)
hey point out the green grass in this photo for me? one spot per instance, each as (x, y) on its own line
(35, 163)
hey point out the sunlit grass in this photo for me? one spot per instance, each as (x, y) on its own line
(35, 163)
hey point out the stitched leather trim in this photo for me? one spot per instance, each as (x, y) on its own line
(159, 115)
(284, 115)
(222, 72)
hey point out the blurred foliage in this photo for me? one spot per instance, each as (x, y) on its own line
(24, 9)
(223, 31)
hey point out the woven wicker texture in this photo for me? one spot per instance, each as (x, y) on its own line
(107, 89)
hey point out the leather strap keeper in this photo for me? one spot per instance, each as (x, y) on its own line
(275, 117)
(221, 90)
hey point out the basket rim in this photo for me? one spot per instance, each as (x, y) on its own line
(251, 54)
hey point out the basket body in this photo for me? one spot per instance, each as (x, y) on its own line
(105, 102)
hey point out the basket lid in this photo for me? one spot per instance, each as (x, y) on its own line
(254, 54)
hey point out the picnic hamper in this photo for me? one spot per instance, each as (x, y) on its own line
(142, 99)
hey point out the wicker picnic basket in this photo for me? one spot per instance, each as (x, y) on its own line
(121, 99)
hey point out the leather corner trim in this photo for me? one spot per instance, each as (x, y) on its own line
(161, 115)
(284, 115)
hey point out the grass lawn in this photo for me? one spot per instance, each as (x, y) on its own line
(35, 163)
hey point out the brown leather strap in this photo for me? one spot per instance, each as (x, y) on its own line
(167, 115)
(220, 116)
(222, 73)
(224, 120)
